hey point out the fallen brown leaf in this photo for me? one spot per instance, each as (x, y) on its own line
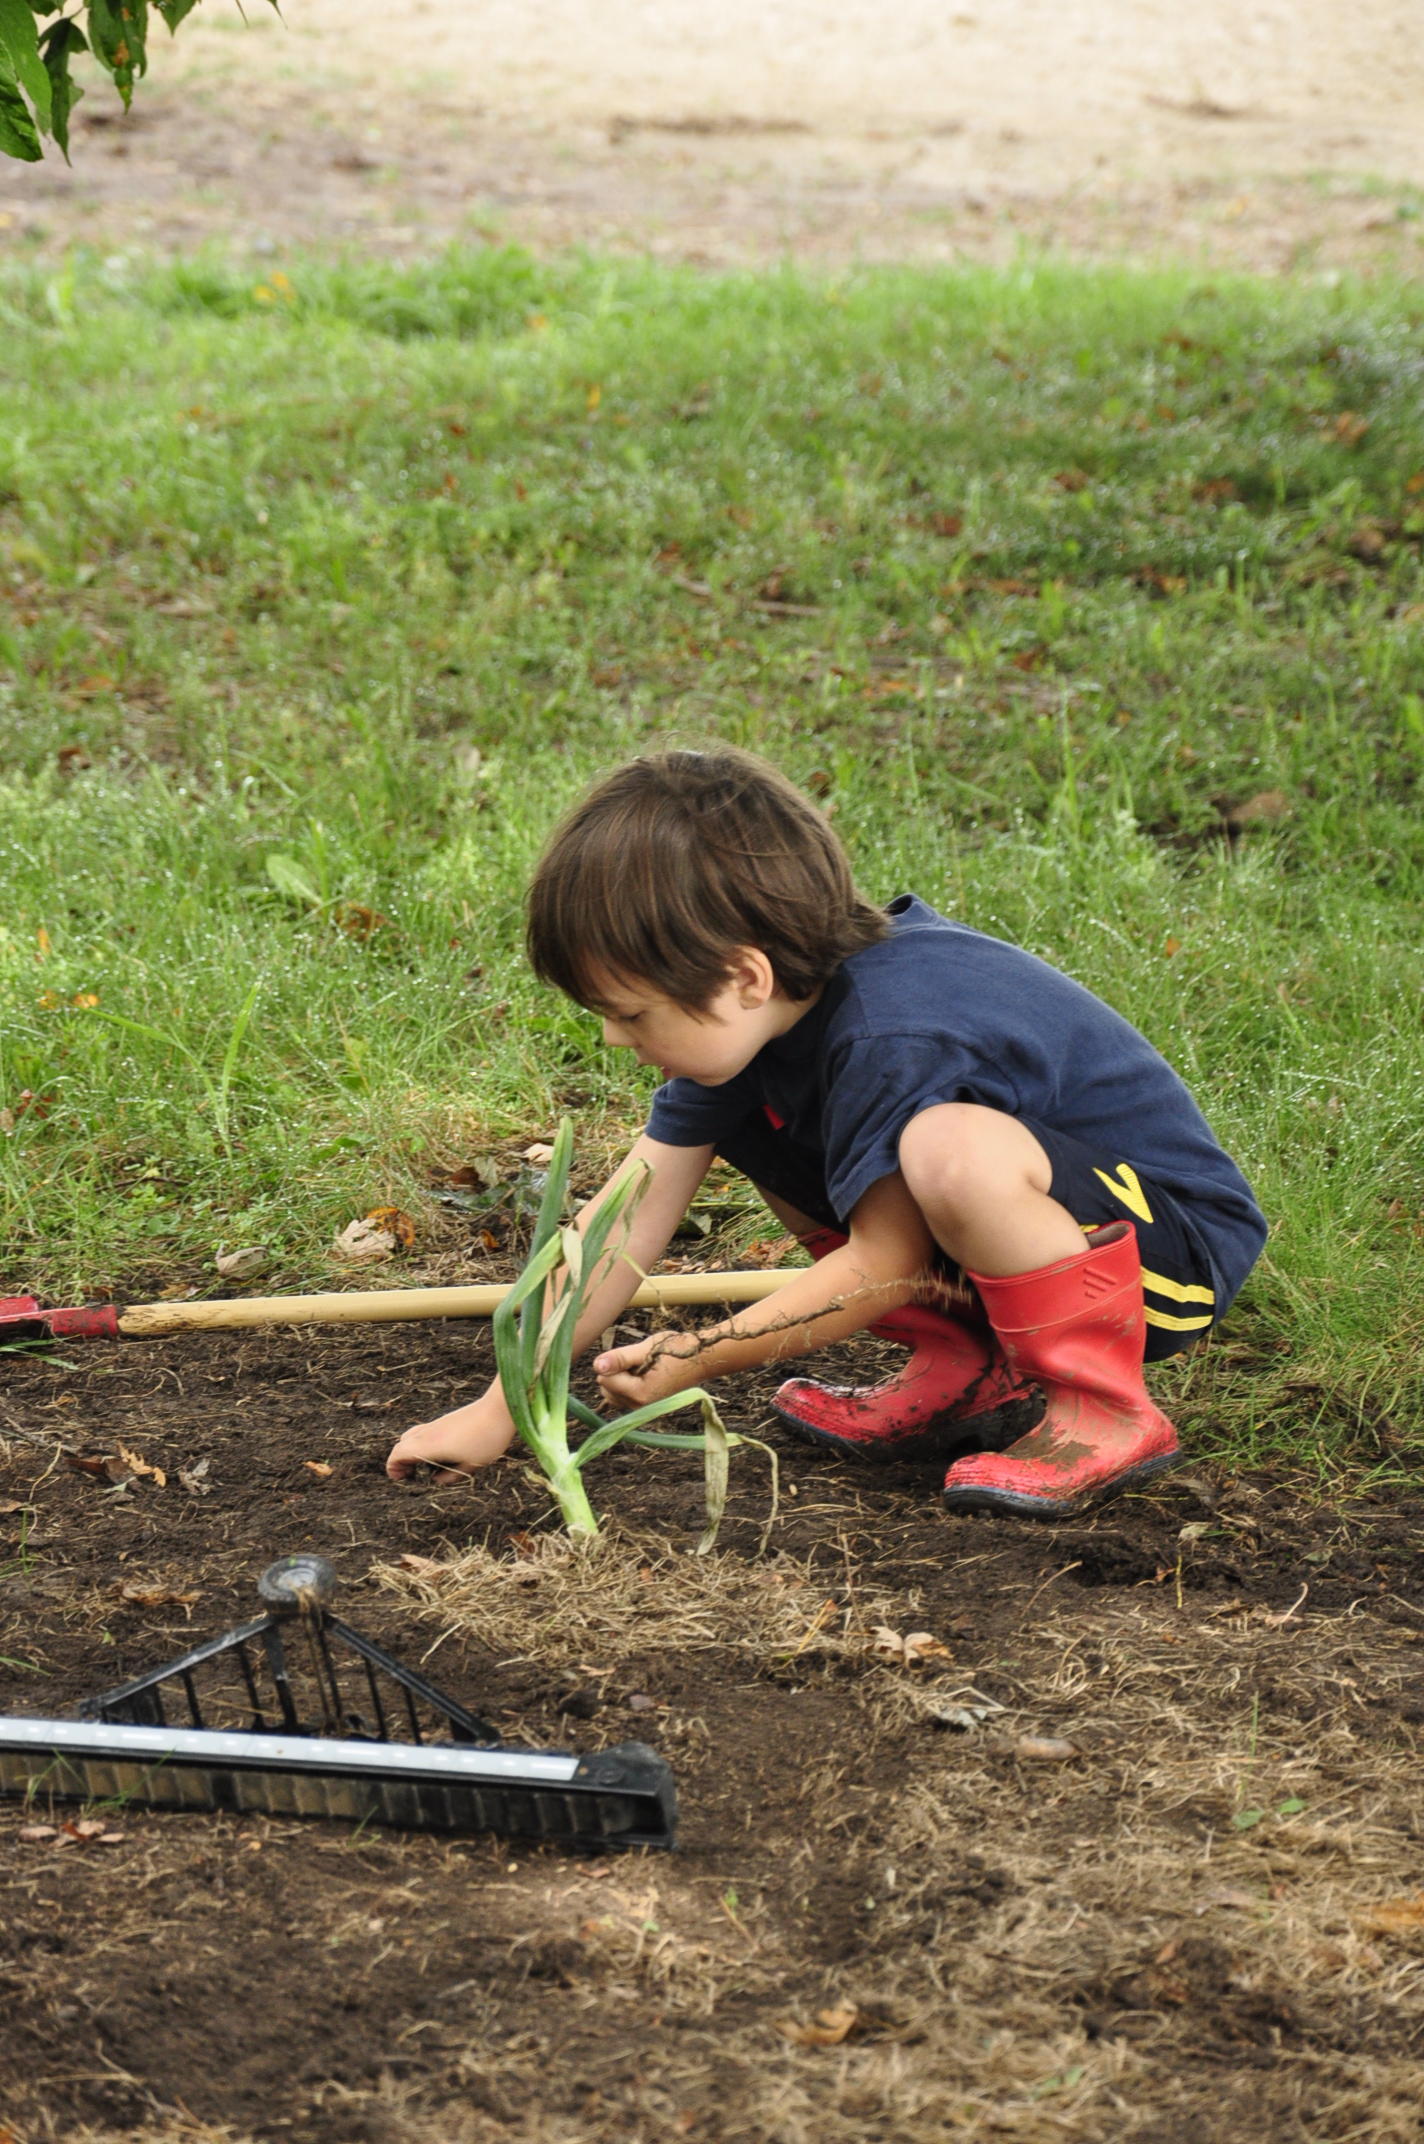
(922, 1645)
(34, 1834)
(358, 921)
(830, 2028)
(242, 1265)
(362, 1243)
(422, 1566)
(141, 1466)
(102, 1467)
(194, 1478)
(1395, 1917)
(1044, 1749)
(9, 1505)
(320, 1467)
(136, 1594)
(398, 1224)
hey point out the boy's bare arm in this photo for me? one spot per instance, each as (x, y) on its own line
(677, 1171)
(889, 1251)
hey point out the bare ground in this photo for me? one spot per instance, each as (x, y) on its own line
(1249, 134)
(1207, 1919)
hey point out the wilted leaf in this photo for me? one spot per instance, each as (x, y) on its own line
(362, 1243)
(359, 921)
(922, 1645)
(135, 1594)
(194, 1478)
(243, 1265)
(103, 1468)
(1072, 480)
(1227, 1895)
(888, 1643)
(1269, 805)
(320, 1467)
(397, 1224)
(141, 1466)
(539, 1155)
(422, 1566)
(9, 1505)
(830, 2028)
(1044, 1749)
(1347, 428)
(34, 1834)
(1395, 1917)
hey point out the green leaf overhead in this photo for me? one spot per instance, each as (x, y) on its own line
(117, 36)
(61, 41)
(19, 43)
(18, 134)
(37, 95)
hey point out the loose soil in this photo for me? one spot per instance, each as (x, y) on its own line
(1205, 1920)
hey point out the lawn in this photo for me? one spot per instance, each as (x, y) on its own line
(1089, 602)
(1091, 605)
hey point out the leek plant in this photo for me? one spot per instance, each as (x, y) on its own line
(534, 1341)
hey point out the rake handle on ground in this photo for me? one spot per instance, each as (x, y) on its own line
(398, 1305)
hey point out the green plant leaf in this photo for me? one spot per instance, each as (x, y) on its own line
(118, 35)
(60, 43)
(17, 129)
(1291, 1808)
(289, 878)
(1247, 1819)
(716, 1466)
(19, 41)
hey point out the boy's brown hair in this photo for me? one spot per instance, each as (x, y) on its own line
(672, 862)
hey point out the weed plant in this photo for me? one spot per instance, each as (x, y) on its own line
(1089, 602)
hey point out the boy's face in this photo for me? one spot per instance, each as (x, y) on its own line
(710, 1046)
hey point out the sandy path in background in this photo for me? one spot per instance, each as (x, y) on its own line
(1269, 132)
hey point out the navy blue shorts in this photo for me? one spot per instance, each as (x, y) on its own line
(1094, 1185)
(1176, 1277)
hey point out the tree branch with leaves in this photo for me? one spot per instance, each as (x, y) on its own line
(38, 41)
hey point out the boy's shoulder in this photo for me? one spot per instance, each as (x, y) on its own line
(912, 975)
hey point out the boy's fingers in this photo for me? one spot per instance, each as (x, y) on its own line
(620, 1358)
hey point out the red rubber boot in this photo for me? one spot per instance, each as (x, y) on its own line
(1077, 1330)
(955, 1394)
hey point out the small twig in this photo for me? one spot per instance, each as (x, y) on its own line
(1047, 1583)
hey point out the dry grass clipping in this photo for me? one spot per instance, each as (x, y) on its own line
(558, 1601)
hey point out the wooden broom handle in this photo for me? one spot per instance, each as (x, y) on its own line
(381, 1306)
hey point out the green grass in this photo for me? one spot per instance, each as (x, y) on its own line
(368, 570)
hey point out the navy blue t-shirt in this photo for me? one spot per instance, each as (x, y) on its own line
(937, 1012)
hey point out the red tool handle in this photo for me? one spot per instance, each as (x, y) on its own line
(100, 1323)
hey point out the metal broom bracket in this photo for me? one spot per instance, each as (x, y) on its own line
(381, 1744)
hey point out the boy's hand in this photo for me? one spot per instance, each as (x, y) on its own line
(649, 1369)
(454, 1443)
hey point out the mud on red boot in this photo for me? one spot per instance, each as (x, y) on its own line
(954, 1395)
(1077, 1330)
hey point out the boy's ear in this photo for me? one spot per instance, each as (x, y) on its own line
(752, 977)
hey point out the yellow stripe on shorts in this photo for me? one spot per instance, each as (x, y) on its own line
(1175, 1325)
(1176, 1291)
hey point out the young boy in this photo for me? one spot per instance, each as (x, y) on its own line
(985, 1161)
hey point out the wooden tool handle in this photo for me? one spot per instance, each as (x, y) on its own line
(379, 1306)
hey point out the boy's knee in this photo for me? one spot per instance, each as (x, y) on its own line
(956, 1154)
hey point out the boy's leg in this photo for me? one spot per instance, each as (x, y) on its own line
(1067, 1308)
(955, 1394)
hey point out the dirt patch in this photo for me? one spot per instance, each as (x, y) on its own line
(1199, 1919)
(1233, 134)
